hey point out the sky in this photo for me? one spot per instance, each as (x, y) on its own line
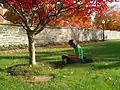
(117, 5)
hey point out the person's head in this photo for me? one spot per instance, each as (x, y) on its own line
(72, 43)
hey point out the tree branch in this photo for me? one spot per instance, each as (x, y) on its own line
(21, 16)
(43, 26)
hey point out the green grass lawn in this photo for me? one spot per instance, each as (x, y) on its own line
(102, 74)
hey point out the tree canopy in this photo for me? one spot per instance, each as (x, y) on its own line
(38, 13)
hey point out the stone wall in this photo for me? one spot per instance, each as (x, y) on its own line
(14, 35)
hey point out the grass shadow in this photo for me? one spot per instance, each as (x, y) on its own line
(108, 66)
(9, 69)
(13, 57)
(53, 53)
(57, 64)
(11, 72)
(50, 56)
(108, 51)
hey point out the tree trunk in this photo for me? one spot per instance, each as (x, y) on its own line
(31, 48)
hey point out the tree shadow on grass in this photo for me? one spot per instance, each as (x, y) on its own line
(13, 57)
(57, 64)
(1, 70)
(61, 64)
(49, 53)
(50, 57)
(9, 69)
(107, 60)
(108, 66)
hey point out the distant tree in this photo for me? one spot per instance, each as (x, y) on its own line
(34, 15)
(112, 20)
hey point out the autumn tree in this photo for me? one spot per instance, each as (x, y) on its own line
(34, 15)
(72, 19)
(112, 20)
